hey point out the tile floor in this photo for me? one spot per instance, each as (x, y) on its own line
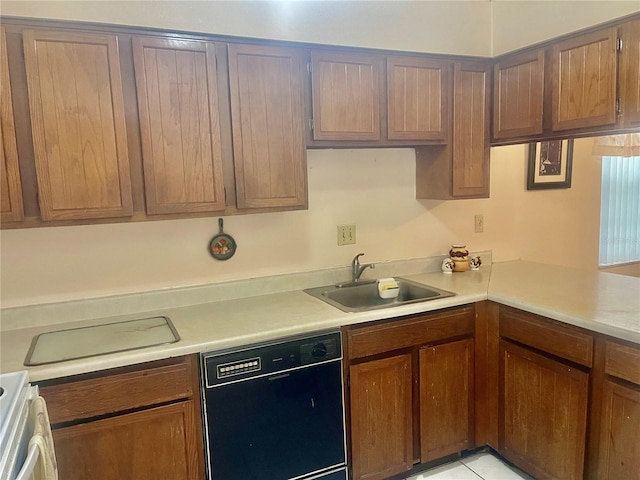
(474, 467)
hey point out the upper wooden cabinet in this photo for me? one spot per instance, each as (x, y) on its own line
(376, 100)
(346, 91)
(630, 74)
(417, 91)
(583, 81)
(460, 169)
(518, 85)
(179, 122)
(77, 117)
(10, 186)
(584, 85)
(267, 115)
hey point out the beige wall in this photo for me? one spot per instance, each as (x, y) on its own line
(374, 189)
(459, 27)
(518, 23)
(465, 27)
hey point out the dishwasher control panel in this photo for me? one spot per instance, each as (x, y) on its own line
(219, 368)
(225, 370)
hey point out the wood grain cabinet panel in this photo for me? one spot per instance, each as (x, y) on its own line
(179, 124)
(11, 207)
(619, 450)
(77, 116)
(460, 169)
(543, 414)
(267, 116)
(584, 71)
(518, 87)
(446, 399)
(543, 334)
(630, 74)
(152, 444)
(381, 417)
(417, 98)
(141, 422)
(471, 130)
(346, 92)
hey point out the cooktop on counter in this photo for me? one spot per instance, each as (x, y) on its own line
(61, 345)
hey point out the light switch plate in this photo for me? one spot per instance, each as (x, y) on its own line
(346, 234)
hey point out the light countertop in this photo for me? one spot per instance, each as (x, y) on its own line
(600, 302)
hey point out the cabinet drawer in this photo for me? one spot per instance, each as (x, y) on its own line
(622, 362)
(544, 335)
(92, 397)
(404, 333)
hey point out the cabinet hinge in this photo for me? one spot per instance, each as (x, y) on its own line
(312, 124)
(619, 44)
(618, 109)
(309, 67)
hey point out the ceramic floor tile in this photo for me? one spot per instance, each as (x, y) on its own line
(489, 467)
(450, 471)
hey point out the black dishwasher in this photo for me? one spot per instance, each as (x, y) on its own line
(275, 411)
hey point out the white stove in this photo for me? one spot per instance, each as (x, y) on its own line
(15, 398)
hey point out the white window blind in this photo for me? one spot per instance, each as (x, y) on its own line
(620, 210)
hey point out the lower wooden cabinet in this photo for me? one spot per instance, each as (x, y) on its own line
(141, 422)
(410, 391)
(619, 450)
(381, 417)
(446, 390)
(543, 413)
(157, 443)
(615, 422)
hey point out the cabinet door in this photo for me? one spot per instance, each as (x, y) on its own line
(381, 417)
(619, 452)
(10, 187)
(158, 443)
(417, 98)
(446, 399)
(470, 162)
(630, 73)
(543, 405)
(346, 91)
(518, 85)
(584, 81)
(179, 124)
(77, 116)
(267, 116)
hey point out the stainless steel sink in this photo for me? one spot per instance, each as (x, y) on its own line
(363, 296)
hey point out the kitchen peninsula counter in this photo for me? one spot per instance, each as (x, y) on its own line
(600, 302)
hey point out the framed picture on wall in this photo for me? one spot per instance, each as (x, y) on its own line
(550, 165)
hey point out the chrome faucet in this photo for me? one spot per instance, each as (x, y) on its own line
(357, 269)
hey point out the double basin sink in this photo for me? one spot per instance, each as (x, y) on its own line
(363, 296)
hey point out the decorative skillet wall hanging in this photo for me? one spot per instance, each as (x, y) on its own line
(222, 246)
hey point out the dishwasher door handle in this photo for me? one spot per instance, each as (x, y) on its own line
(278, 377)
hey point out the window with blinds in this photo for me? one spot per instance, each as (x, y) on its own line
(620, 210)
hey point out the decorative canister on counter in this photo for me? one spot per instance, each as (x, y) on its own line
(460, 256)
(447, 266)
(474, 263)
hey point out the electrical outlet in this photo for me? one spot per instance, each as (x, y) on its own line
(478, 223)
(346, 234)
